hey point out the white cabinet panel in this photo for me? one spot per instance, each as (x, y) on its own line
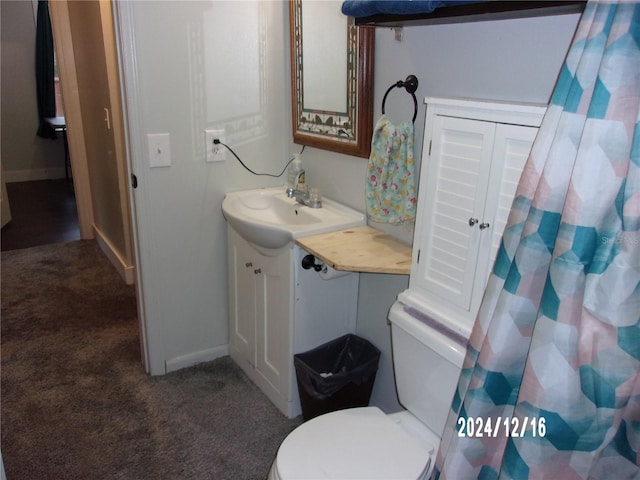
(473, 155)
(243, 308)
(511, 150)
(273, 319)
(260, 302)
(455, 189)
(277, 309)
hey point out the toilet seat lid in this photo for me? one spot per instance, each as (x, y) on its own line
(369, 446)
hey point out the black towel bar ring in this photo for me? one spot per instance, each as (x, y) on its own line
(410, 85)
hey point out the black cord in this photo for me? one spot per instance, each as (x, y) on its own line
(218, 142)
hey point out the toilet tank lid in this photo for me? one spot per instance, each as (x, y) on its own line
(439, 337)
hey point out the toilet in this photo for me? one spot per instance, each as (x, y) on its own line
(365, 443)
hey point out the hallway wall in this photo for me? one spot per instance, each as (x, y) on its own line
(99, 103)
(24, 155)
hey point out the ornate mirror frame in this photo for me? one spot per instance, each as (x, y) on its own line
(349, 131)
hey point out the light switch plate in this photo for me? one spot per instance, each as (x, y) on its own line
(159, 150)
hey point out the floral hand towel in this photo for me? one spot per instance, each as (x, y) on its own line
(390, 187)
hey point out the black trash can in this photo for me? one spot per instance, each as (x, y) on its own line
(336, 375)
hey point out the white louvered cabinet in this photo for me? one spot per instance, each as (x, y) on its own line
(473, 156)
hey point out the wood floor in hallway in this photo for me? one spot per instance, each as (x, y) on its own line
(42, 212)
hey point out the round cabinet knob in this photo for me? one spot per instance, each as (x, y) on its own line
(482, 226)
(472, 221)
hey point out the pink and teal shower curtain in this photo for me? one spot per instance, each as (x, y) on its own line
(550, 387)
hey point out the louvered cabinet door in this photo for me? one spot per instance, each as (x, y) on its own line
(511, 149)
(451, 208)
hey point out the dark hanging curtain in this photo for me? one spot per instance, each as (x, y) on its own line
(45, 71)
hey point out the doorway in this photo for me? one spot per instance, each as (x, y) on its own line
(87, 61)
(85, 43)
(34, 169)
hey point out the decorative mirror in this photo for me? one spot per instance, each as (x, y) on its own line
(331, 78)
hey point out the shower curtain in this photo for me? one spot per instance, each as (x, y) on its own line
(550, 387)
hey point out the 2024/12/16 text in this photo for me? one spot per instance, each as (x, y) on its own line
(478, 427)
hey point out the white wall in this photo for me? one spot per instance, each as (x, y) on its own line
(511, 60)
(197, 65)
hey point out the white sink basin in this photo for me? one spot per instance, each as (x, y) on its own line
(266, 217)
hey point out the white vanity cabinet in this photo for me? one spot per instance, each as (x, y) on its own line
(473, 155)
(260, 306)
(277, 309)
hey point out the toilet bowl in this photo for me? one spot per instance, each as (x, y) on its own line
(365, 443)
(358, 443)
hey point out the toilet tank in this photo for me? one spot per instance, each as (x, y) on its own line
(427, 360)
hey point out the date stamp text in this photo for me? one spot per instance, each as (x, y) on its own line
(478, 427)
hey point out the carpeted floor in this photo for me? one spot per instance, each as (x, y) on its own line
(76, 403)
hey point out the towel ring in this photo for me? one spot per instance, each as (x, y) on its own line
(410, 85)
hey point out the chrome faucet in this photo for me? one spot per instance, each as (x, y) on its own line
(302, 196)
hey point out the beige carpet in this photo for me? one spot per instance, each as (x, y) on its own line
(76, 403)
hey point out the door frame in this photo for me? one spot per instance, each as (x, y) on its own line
(61, 26)
(151, 333)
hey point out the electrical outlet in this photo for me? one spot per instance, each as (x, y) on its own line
(215, 152)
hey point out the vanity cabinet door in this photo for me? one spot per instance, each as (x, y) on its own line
(273, 320)
(260, 317)
(470, 172)
(242, 305)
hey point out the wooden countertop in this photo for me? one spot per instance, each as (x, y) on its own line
(360, 249)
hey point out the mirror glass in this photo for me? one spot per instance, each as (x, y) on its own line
(332, 78)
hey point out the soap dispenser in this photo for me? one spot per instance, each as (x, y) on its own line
(301, 182)
(295, 174)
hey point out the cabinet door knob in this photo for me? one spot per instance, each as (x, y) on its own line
(472, 221)
(257, 271)
(482, 226)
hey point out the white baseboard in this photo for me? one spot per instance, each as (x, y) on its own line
(126, 271)
(12, 176)
(190, 359)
